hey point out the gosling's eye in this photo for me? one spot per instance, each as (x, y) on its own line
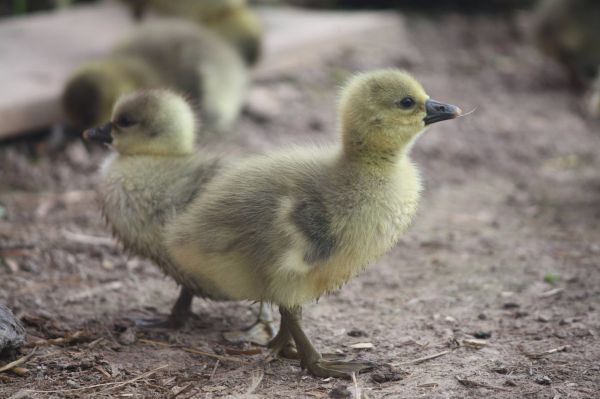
(125, 121)
(406, 102)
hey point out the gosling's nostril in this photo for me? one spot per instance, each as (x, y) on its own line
(106, 128)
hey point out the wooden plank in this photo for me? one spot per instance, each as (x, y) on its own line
(37, 53)
(296, 36)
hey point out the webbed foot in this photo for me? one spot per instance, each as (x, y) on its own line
(260, 333)
(283, 345)
(328, 368)
(317, 364)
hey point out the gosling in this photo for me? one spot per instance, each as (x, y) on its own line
(233, 20)
(569, 32)
(289, 227)
(153, 176)
(162, 54)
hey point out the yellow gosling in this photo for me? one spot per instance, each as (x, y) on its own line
(291, 226)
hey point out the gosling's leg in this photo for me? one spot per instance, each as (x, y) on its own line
(180, 313)
(260, 333)
(283, 343)
(309, 357)
(182, 310)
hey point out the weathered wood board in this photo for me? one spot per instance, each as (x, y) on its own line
(38, 52)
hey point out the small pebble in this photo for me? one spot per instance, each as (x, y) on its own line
(340, 392)
(127, 337)
(482, 334)
(519, 314)
(543, 380)
(72, 383)
(386, 376)
(542, 318)
(500, 369)
(362, 345)
(357, 333)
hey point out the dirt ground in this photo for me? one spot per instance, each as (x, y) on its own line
(499, 274)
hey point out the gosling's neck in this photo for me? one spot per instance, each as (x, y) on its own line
(378, 159)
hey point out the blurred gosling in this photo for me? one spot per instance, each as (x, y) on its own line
(163, 54)
(569, 32)
(292, 226)
(233, 20)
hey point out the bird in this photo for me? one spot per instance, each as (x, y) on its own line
(153, 175)
(233, 20)
(568, 31)
(162, 54)
(291, 226)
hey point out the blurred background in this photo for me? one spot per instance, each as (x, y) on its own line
(500, 271)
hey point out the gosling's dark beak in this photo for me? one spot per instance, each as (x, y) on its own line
(437, 112)
(101, 134)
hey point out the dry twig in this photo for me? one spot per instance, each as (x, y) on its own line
(15, 250)
(552, 292)
(257, 377)
(111, 385)
(252, 351)
(214, 370)
(540, 355)
(77, 335)
(191, 350)
(424, 358)
(357, 394)
(17, 362)
(183, 390)
(88, 239)
(20, 371)
(474, 343)
(477, 384)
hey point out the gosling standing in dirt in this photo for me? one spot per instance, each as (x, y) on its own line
(154, 175)
(171, 54)
(289, 227)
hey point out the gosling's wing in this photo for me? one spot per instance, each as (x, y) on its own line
(311, 218)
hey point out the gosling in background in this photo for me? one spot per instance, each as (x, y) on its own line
(292, 226)
(169, 54)
(233, 20)
(569, 32)
(154, 174)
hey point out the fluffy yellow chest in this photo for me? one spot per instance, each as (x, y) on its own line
(135, 207)
(366, 229)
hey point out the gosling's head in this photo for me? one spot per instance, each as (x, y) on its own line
(239, 25)
(382, 112)
(153, 122)
(91, 92)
